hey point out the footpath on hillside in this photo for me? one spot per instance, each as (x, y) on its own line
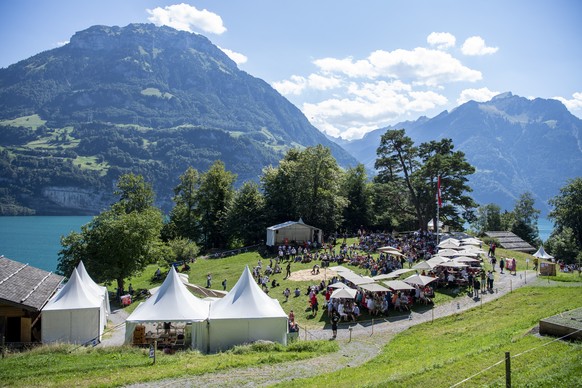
(359, 342)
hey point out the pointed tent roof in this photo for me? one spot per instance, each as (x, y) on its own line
(541, 253)
(74, 295)
(171, 303)
(96, 289)
(246, 300)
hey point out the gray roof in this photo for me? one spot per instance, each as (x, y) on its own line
(25, 286)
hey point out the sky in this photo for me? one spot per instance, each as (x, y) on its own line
(350, 67)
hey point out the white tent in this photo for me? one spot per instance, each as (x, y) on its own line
(74, 314)
(541, 254)
(172, 303)
(100, 291)
(290, 231)
(246, 314)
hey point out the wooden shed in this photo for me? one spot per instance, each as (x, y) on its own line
(24, 290)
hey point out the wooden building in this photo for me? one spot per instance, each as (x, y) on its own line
(24, 290)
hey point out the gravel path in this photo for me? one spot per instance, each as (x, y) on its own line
(367, 340)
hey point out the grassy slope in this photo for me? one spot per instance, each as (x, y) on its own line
(67, 365)
(454, 348)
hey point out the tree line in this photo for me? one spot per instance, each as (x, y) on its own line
(209, 213)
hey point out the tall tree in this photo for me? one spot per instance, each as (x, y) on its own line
(356, 188)
(214, 198)
(305, 185)
(526, 219)
(120, 241)
(246, 216)
(567, 212)
(417, 169)
(488, 218)
(184, 218)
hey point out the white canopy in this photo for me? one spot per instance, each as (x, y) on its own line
(100, 291)
(374, 287)
(448, 252)
(398, 272)
(172, 303)
(246, 314)
(450, 243)
(355, 278)
(541, 254)
(398, 285)
(343, 293)
(74, 314)
(424, 265)
(419, 279)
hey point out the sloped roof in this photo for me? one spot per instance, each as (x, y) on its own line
(171, 303)
(25, 286)
(287, 224)
(75, 295)
(246, 300)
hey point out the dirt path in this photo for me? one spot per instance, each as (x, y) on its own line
(366, 342)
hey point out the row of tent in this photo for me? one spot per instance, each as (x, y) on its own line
(245, 314)
(78, 312)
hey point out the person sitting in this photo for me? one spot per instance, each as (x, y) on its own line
(355, 312)
(297, 292)
(274, 283)
(185, 267)
(315, 270)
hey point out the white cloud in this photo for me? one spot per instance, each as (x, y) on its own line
(475, 45)
(442, 40)
(59, 44)
(185, 17)
(479, 95)
(360, 95)
(238, 58)
(369, 106)
(295, 85)
(574, 105)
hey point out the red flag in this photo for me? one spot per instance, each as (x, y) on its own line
(439, 192)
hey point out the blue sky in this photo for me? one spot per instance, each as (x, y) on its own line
(351, 67)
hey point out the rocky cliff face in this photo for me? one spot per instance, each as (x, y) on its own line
(76, 200)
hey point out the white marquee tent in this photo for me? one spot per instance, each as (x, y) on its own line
(293, 231)
(172, 303)
(74, 314)
(96, 289)
(541, 253)
(246, 314)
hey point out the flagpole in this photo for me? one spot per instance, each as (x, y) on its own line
(438, 208)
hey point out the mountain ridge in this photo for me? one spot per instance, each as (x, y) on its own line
(516, 145)
(142, 99)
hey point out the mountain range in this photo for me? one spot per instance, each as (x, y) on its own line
(143, 99)
(516, 145)
(154, 101)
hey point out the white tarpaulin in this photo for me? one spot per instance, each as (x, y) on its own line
(541, 254)
(74, 314)
(290, 231)
(100, 291)
(172, 303)
(246, 314)
(343, 293)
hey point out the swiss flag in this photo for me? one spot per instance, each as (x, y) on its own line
(439, 192)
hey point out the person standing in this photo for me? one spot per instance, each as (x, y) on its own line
(334, 321)
(501, 264)
(483, 280)
(286, 293)
(208, 280)
(476, 287)
(224, 285)
(288, 270)
(490, 281)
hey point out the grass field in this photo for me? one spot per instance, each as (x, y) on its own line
(68, 365)
(452, 349)
(230, 268)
